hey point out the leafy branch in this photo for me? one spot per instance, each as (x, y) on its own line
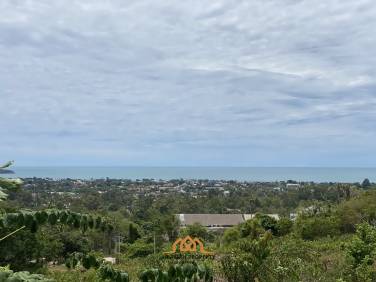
(7, 164)
(8, 184)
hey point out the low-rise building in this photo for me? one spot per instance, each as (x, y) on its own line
(292, 185)
(217, 221)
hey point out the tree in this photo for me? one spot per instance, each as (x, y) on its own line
(133, 233)
(170, 226)
(195, 230)
(362, 253)
(20, 250)
(140, 248)
(19, 228)
(284, 226)
(268, 223)
(366, 183)
(251, 229)
(312, 227)
(246, 262)
(231, 236)
(356, 210)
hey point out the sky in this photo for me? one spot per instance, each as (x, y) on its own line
(188, 83)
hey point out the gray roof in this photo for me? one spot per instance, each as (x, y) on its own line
(211, 219)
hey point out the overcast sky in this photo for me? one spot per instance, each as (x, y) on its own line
(196, 83)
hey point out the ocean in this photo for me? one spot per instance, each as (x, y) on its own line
(316, 174)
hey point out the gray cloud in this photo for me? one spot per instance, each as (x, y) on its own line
(188, 83)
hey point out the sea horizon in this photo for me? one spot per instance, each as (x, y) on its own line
(237, 173)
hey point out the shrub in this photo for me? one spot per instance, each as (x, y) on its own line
(7, 275)
(246, 262)
(140, 248)
(284, 226)
(196, 230)
(268, 223)
(230, 236)
(179, 272)
(317, 226)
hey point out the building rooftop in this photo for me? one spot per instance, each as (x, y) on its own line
(217, 220)
(211, 220)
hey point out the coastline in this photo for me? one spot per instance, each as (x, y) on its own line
(249, 174)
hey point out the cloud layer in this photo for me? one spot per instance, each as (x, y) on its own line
(237, 83)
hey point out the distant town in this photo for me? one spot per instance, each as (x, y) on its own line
(214, 200)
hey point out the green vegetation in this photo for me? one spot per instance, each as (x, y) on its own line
(185, 272)
(62, 230)
(8, 184)
(9, 276)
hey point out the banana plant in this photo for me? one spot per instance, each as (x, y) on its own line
(9, 276)
(187, 272)
(86, 260)
(33, 219)
(154, 275)
(107, 272)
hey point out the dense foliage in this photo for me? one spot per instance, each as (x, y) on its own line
(7, 275)
(326, 231)
(185, 272)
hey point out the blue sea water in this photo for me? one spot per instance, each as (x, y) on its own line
(316, 174)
